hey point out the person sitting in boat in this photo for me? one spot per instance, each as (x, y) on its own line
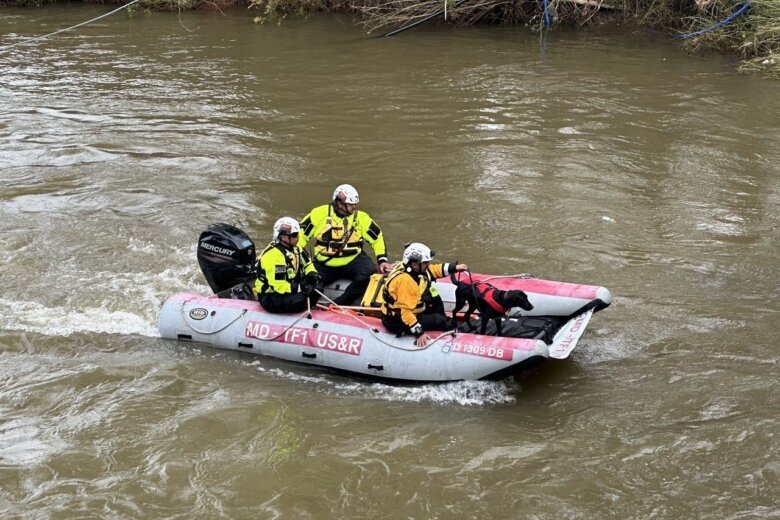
(407, 288)
(339, 231)
(286, 277)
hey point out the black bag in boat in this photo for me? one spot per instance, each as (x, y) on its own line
(227, 258)
(538, 327)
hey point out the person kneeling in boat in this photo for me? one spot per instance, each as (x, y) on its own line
(409, 307)
(286, 278)
(338, 231)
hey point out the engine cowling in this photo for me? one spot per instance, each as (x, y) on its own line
(226, 256)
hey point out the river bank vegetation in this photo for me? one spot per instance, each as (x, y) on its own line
(749, 29)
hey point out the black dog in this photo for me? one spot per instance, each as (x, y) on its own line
(492, 303)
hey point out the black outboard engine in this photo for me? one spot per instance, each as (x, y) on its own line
(226, 256)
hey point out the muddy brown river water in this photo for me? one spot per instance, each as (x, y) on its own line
(604, 158)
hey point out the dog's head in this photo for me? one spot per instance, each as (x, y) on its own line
(518, 299)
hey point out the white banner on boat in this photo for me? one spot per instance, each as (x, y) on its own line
(566, 338)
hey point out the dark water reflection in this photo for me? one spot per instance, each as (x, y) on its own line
(607, 159)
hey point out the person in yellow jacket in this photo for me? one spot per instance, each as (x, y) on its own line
(338, 231)
(408, 307)
(286, 278)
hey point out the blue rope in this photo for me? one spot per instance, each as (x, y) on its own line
(546, 14)
(744, 7)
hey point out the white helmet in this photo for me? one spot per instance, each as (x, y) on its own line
(417, 252)
(346, 193)
(286, 226)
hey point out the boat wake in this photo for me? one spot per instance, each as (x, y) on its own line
(26, 316)
(464, 393)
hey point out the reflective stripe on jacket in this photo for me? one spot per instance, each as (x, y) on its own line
(281, 270)
(337, 240)
(404, 291)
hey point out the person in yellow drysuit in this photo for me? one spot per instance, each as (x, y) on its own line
(338, 231)
(408, 287)
(286, 278)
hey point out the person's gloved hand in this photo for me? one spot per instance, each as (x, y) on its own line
(417, 330)
(314, 279)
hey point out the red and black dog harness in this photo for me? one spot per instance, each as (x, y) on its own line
(485, 291)
(488, 293)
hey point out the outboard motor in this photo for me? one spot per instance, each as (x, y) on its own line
(227, 257)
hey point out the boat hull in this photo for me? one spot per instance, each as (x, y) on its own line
(360, 345)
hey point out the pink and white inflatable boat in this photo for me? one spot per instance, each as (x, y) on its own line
(359, 344)
(356, 342)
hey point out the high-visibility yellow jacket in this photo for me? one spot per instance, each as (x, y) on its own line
(404, 291)
(338, 240)
(282, 270)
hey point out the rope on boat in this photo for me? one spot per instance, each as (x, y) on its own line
(306, 313)
(345, 312)
(742, 8)
(38, 38)
(521, 276)
(375, 332)
(205, 332)
(338, 308)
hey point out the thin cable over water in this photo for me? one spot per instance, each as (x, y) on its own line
(38, 38)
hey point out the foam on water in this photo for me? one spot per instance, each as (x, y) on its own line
(26, 441)
(465, 393)
(116, 301)
(61, 321)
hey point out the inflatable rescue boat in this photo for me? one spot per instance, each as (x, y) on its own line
(353, 340)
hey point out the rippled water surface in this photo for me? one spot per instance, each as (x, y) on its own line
(609, 159)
